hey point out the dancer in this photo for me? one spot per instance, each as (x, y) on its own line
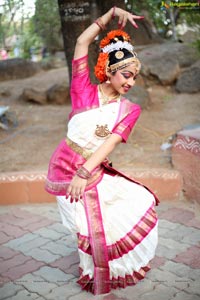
(112, 215)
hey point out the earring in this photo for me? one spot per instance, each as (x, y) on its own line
(108, 80)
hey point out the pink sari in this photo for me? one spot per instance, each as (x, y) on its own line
(114, 252)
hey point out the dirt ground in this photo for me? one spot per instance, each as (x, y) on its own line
(29, 146)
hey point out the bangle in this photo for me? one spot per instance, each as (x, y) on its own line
(83, 173)
(113, 12)
(100, 23)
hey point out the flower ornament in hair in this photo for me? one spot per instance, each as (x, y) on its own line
(99, 69)
(115, 41)
(117, 46)
(114, 36)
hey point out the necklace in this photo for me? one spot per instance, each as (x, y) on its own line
(106, 99)
(102, 131)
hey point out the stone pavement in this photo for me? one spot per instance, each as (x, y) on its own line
(38, 258)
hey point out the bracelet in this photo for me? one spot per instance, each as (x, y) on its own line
(100, 23)
(113, 12)
(83, 173)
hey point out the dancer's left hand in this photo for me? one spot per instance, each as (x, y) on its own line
(76, 189)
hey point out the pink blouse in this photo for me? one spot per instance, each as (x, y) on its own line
(84, 96)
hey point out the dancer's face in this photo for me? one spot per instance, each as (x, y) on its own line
(123, 80)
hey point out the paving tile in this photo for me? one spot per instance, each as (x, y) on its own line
(157, 261)
(116, 295)
(57, 248)
(25, 220)
(4, 209)
(142, 287)
(185, 234)
(193, 223)
(193, 288)
(4, 238)
(69, 241)
(49, 233)
(3, 280)
(12, 230)
(24, 295)
(19, 271)
(88, 296)
(167, 224)
(20, 221)
(54, 275)
(59, 228)
(166, 292)
(68, 264)
(189, 257)
(169, 248)
(162, 207)
(7, 218)
(181, 270)
(162, 232)
(185, 296)
(65, 291)
(14, 261)
(177, 215)
(30, 245)
(21, 213)
(49, 210)
(168, 278)
(36, 284)
(44, 222)
(192, 238)
(42, 255)
(8, 290)
(17, 243)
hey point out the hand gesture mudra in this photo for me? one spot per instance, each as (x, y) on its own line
(125, 16)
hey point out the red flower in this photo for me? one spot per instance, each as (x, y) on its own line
(111, 35)
(100, 68)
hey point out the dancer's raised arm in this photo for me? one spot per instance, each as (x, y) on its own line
(88, 35)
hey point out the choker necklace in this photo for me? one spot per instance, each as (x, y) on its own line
(106, 98)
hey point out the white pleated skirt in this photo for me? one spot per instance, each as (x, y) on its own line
(129, 218)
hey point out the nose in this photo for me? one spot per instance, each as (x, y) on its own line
(131, 81)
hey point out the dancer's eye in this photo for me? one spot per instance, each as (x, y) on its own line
(127, 75)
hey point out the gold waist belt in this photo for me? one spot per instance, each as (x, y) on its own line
(78, 149)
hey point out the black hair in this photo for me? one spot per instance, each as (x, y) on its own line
(113, 59)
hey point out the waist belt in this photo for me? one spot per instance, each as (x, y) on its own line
(78, 149)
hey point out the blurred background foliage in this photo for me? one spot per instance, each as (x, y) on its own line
(24, 28)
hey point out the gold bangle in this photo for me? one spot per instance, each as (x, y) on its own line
(82, 172)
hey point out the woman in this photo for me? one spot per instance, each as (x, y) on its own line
(112, 215)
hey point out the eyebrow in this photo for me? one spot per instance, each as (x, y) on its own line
(124, 71)
(127, 71)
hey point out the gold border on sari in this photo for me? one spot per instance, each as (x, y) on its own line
(78, 149)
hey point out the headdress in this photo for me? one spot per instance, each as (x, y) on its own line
(116, 52)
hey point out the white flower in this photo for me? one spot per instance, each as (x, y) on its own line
(117, 46)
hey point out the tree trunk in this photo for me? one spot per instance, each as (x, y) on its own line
(75, 17)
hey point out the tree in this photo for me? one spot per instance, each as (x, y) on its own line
(11, 19)
(75, 17)
(47, 23)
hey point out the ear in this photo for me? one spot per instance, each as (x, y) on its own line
(108, 73)
(107, 70)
